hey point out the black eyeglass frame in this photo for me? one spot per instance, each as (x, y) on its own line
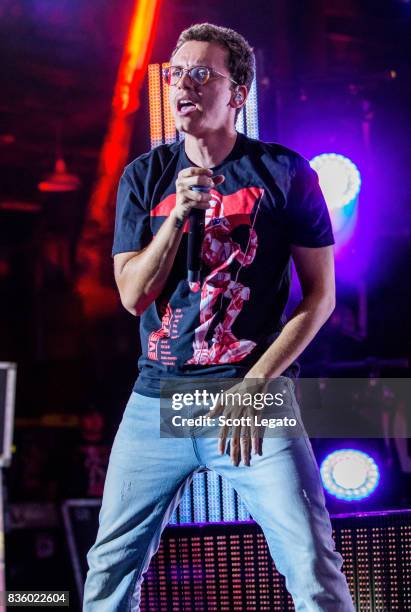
(211, 71)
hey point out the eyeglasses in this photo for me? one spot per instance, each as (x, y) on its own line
(198, 74)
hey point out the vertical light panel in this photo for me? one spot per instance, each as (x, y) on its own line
(174, 518)
(237, 571)
(185, 569)
(405, 552)
(240, 123)
(251, 111)
(258, 547)
(162, 582)
(214, 496)
(174, 573)
(154, 98)
(250, 577)
(209, 499)
(199, 497)
(347, 536)
(186, 506)
(197, 571)
(212, 573)
(394, 561)
(222, 562)
(364, 569)
(243, 514)
(379, 569)
(170, 134)
(229, 502)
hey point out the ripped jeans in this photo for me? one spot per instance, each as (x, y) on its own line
(148, 475)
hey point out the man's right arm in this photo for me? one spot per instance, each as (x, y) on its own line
(141, 275)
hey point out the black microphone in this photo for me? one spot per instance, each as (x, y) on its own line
(195, 239)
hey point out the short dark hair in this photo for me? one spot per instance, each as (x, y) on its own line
(241, 59)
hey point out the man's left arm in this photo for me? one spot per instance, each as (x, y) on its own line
(315, 270)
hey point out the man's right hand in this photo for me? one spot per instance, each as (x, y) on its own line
(186, 198)
(141, 275)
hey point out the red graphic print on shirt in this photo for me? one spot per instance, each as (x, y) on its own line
(219, 250)
(159, 347)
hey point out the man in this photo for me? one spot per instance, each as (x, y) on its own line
(263, 205)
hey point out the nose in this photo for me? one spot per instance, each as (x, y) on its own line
(184, 81)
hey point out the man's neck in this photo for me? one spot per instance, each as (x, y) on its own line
(211, 150)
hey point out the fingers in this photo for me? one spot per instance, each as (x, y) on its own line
(235, 449)
(222, 441)
(246, 435)
(256, 440)
(194, 171)
(200, 172)
(194, 176)
(218, 179)
(245, 447)
(198, 176)
(186, 198)
(196, 196)
(244, 441)
(240, 447)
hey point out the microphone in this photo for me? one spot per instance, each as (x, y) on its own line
(195, 239)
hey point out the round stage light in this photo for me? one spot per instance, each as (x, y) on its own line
(339, 178)
(349, 474)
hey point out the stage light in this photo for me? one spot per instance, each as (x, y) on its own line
(169, 127)
(339, 177)
(154, 93)
(251, 111)
(59, 181)
(349, 474)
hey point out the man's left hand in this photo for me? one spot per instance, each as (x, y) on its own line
(246, 437)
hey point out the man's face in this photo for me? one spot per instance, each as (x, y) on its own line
(211, 109)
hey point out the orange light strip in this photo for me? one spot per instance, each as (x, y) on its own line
(98, 225)
(169, 125)
(135, 56)
(154, 97)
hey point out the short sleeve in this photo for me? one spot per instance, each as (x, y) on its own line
(306, 214)
(132, 225)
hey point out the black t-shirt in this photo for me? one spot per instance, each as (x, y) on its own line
(269, 200)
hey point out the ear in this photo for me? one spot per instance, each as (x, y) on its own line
(238, 96)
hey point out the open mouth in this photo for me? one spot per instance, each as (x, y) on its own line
(184, 107)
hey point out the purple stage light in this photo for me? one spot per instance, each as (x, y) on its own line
(349, 474)
(339, 177)
(340, 182)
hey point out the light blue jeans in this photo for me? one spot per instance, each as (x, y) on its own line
(146, 478)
